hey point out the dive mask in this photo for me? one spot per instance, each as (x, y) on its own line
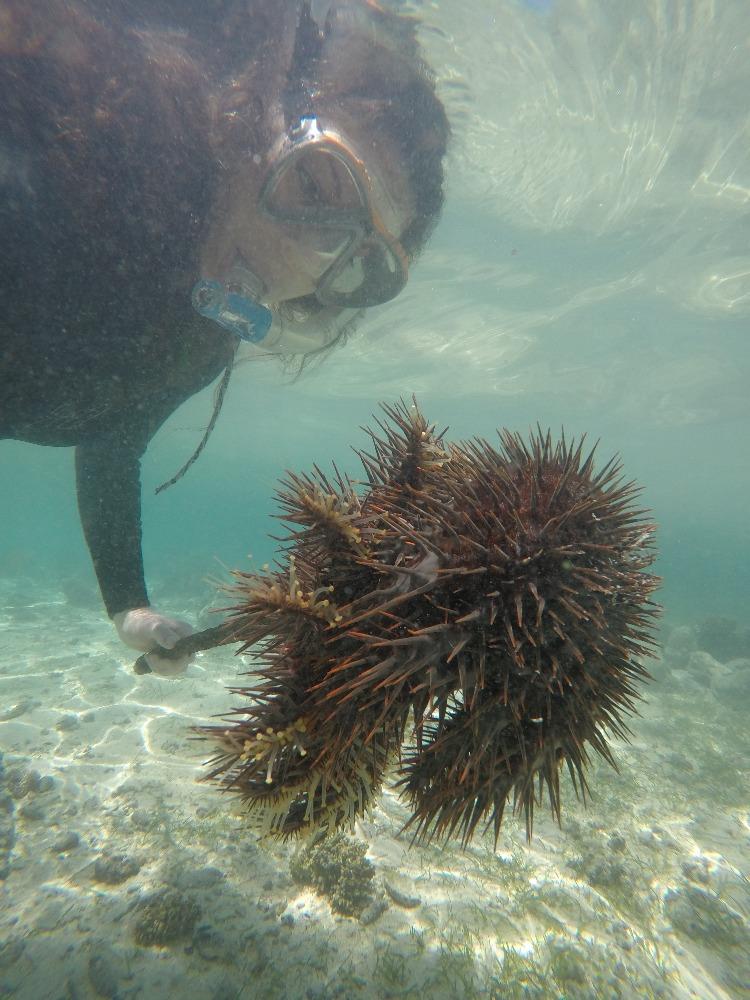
(318, 183)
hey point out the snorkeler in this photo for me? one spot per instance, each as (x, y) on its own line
(257, 171)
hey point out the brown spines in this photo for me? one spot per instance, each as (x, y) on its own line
(492, 602)
(280, 608)
(328, 515)
(406, 451)
(292, 779)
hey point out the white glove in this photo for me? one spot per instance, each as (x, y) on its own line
(145, 628)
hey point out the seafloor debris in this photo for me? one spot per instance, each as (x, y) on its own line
(337, 868)
(165, 917)
(468, 619)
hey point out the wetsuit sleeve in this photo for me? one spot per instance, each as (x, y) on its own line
(108, 466)
(108, 476)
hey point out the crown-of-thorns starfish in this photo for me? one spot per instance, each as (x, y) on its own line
(467, 620)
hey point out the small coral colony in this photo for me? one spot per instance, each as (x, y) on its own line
(463, 622)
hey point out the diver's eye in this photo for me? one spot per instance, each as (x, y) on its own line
(317, 179)
(310, 189)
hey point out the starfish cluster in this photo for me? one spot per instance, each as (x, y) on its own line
(465, 621)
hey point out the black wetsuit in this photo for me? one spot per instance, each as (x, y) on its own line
(105, 179)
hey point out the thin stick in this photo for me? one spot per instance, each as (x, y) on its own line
(219, 635)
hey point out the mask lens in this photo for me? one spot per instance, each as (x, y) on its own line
(318, 187)
(329, 243)
(368, 276)
(315, 185)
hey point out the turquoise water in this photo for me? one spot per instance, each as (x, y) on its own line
(591, 271)
(661, 384)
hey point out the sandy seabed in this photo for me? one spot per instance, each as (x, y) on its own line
(107, 837)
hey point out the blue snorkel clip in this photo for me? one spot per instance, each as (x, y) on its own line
(248, 320)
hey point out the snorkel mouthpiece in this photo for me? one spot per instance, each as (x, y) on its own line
(237, 313)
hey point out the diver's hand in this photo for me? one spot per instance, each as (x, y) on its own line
(145, 628)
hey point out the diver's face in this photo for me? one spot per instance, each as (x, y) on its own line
(278, 253)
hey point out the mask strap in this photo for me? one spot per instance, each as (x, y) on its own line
(308, 45)
(319, 12)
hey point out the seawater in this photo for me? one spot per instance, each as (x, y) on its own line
(591, 272)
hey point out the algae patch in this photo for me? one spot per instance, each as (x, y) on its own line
(337, 868)
(164, 918)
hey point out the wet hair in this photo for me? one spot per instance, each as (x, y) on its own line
(363, 63)
(369, 66)
(97, 120)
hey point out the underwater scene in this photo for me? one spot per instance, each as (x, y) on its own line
(466, 712)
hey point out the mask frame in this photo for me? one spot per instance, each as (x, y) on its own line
(365, 236)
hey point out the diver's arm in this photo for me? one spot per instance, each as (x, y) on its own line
(108, 473)
(109, 500)
(108, 478)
